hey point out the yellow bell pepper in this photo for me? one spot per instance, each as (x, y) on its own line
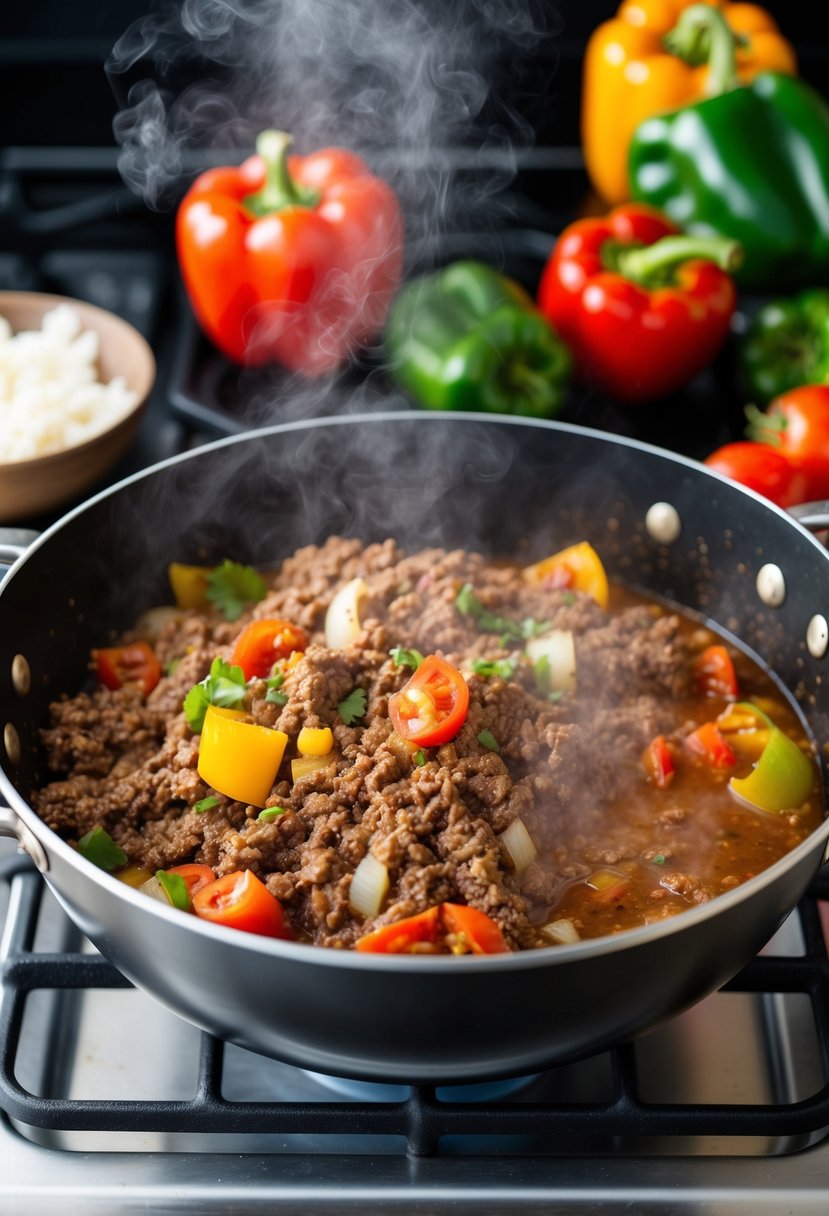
(189, 584)
(315, 741)
(581, 568)
(630, 76)
(239, 758)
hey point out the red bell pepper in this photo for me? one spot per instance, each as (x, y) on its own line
(642, 307)
(292, 260)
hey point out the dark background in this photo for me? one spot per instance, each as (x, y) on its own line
(54, 91)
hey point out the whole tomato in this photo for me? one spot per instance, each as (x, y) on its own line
(762, 468)
(797, 425)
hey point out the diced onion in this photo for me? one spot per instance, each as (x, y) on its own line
(559, 649)
(369, 886)
(154, 889)
(153, 622)
(519, 845)
(562, 932)
(303, 765)
(342, 620)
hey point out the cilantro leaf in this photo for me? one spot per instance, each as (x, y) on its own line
(487, 738)
(98, 847)
(224, 686)
(468, 604)
(505, 668)
(403, 656)
(232, 587)
(353, 706)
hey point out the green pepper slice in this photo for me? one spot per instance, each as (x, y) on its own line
(782, 776)
(468, 338)
(786, 345)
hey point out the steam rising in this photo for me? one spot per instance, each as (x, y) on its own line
(406, 83)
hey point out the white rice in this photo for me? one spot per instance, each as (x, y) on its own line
(50, 394)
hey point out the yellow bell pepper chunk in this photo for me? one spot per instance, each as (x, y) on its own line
(630, 75)
(239, 758)
(315, 741)
(580, 565)
(134, 876)
(189, 584)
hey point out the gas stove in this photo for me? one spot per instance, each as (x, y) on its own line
(111, 1105)
(114, 1105)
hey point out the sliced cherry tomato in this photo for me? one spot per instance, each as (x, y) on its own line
(241, 901)
(708, 742)
(715, 674)
(470, 931)
(262, 643)
(764, 469)
(432, 707)
(658, 762)
(132, 666)
(443, 929)
(407, 936)
(195, 876)
(797, 424)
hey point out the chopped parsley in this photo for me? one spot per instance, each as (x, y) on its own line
(232, 587)
(488, 740)
(659, 859)
(353, 706)
(98, 847)
(419, 757)
(403, 656)
(541, 671)
(505, 668)
(468, 604)
(273, 696)
(225, 687)
(205, 804)
(270, 813)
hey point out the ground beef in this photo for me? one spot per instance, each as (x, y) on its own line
(562, 764)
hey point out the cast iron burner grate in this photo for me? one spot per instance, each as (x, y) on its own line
(422, 1120)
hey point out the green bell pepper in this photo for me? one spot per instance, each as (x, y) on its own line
(750, 162)
(786, 345)
(782, 777)
(468, 338)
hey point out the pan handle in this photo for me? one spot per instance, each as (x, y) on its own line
(14, 542)
(812, 515)
(14, 827)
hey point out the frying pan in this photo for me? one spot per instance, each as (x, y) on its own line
(512, 487)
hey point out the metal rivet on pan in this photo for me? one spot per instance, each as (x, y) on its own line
(11, 742)
(817, 636)
(21, 675)
(771, 586)
(663, 523)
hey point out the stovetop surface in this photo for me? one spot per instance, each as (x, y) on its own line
(91, 1060)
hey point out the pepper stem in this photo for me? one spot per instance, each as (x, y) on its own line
(650, 265)
(702, 35)
(279, 190)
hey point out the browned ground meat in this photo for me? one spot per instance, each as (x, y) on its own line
(129, 763)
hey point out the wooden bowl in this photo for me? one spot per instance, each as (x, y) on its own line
(30, 487)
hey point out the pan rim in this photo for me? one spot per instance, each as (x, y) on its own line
(305, 953)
